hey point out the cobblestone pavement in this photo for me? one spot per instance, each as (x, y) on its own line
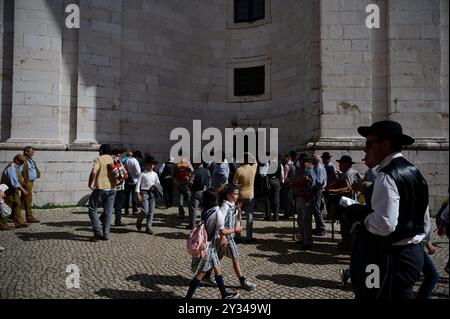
(136, 265)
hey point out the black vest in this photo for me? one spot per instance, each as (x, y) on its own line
(291, 173)
(168, 170)
(277, 174)
(201, 179)
(413, 190)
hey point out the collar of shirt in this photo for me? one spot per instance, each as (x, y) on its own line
(229, 203)
(387, 160)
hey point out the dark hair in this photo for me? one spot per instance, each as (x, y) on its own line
(293, 154)
(396, 146)
(105, 149)
(150, 159)
(210, 198)
(137, 154)
(227, 189)
(27, 148)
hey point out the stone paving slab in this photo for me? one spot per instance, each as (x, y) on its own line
(135, 265)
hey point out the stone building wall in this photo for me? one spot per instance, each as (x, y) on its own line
(137, 69)
(397, 72)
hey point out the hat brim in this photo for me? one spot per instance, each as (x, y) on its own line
(339, 161)
(403, 139)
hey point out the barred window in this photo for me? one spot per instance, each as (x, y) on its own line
(249, 10)
(249, 81)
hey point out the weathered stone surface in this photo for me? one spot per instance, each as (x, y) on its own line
(135, 265)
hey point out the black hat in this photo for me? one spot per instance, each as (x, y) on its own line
(137, 154)
(150, 159)
(303, 157)
(326, 155)
(390, 129)
(346, 159)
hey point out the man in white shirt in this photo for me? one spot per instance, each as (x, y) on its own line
(321, 175)
(134, 170)
(400, 209)
(144, 194)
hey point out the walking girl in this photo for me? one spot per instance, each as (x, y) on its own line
(214, 224)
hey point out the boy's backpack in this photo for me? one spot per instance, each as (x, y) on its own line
(183, 173)
(118, 171)
(197, 241)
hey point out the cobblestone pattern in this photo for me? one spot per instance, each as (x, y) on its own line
(135, 265)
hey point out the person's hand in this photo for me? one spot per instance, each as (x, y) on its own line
(24, 193)
(237, 229)
(223, 241)
(139, 197)
(431, 250)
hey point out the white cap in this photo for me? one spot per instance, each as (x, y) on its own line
(4, 188)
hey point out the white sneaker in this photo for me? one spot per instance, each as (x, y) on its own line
(2, 248)
(247, 285)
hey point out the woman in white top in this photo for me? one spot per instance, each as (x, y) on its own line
(145, 195)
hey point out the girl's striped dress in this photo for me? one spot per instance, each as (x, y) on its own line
(230, 213)
(213, 219)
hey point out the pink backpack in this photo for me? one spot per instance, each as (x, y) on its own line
(196, 243)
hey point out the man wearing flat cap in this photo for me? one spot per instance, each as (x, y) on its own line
(393, 232)
(12, 177)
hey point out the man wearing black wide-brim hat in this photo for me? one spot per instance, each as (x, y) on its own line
(399, 219)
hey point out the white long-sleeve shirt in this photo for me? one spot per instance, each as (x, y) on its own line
(133, 168)
(386, 204)
(146, 180)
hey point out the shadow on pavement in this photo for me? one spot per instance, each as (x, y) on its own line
(51, 236)
(152, 281)
(129, 294)
(175, 235)
(73, 223)
(299, 281)
(112, 230)
(289, 253)
(303, 258)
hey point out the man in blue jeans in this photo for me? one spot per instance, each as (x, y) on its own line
(102, 183)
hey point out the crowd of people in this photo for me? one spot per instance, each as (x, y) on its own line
(384, 217)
